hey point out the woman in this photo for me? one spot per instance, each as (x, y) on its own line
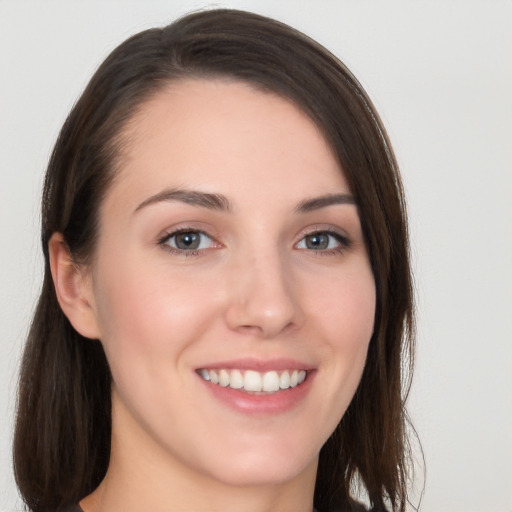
(227, 295)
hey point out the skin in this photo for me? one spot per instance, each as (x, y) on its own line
(254, 289)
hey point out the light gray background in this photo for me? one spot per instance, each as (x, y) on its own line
(440, 73)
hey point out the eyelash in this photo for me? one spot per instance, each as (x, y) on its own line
(343, 242)
(163, 241)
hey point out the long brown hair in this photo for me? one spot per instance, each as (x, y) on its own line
(63, 428)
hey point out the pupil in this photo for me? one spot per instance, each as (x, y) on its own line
(187, 240)
(317, 241)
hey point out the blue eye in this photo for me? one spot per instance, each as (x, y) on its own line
(323, 241)
(188, 241)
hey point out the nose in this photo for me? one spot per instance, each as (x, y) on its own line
(263, 299)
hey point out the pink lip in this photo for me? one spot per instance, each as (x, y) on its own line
(259, 365)
(264, 403)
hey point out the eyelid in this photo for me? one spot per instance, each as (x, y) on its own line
(325, 228)
(185, 226)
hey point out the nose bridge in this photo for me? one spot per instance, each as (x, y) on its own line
(263, 295)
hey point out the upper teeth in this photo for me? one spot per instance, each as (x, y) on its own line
(250, 380)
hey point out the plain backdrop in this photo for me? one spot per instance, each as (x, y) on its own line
(440, 74)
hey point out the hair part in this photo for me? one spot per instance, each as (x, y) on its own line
(63, 426)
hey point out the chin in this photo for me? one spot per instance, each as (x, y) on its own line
(256, 468)
(269, 475)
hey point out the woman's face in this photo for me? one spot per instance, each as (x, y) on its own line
(231, 286)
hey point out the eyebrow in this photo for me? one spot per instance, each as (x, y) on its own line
(193, 197)
(222, 203)
(316, 203)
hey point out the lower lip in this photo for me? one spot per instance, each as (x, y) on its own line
(268, 403)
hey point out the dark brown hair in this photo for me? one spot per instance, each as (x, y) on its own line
(63, 428)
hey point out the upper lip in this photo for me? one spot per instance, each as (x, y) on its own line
(259, 365)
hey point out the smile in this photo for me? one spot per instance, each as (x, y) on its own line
(253, 381)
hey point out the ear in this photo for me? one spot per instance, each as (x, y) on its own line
(73, 287)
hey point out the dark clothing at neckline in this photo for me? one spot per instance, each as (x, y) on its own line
(77, 508)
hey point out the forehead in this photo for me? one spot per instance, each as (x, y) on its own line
(227, 134)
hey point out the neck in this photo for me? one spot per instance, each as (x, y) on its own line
(136, 489)
(142, 476)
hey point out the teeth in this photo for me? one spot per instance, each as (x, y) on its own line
(284, 381)
(270, 381)
(224, 378)
(236, 380)
(250, 380)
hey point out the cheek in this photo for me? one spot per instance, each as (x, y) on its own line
(145, 313)
(347, 308)
(358, 301)
(346, 315)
